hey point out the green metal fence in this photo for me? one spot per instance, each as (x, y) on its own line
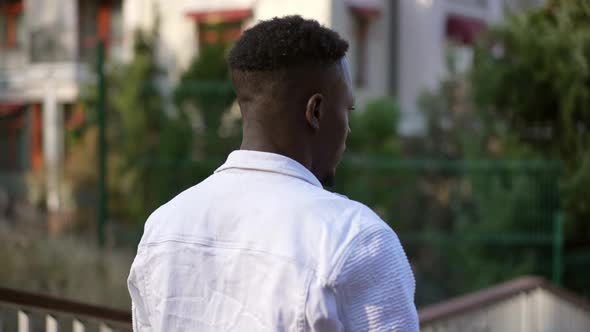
(574, 261)
(465, 224)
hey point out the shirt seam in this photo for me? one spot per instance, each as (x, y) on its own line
(311, 271)
(339, 263)
(144, 284)
(342, 260)
(275, 171)
(134, 317)
(304, 317)
(227, 245)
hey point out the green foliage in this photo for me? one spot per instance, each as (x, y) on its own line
(374, 130)
(463, 226)
(155, 149)
(373, 133)
(535, 77)
(210, 65)
(139, 130)
(485, 220)
(205, 91)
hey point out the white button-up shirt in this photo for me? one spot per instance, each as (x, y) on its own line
(261, 246)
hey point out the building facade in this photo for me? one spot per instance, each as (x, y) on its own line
(46, 48)
(397, 47)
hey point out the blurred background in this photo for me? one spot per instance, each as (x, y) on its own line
(471, 137)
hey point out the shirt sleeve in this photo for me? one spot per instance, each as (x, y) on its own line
(322, 308)
(138, 309)
(375, 286)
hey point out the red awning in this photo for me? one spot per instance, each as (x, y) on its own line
(464, 29)
(366, 12)
(368, 9)
(217, 16)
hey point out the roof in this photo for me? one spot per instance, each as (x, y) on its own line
(485, 297)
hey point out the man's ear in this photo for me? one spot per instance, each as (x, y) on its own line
(314, 110)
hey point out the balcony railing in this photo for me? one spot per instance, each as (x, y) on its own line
(32, 310)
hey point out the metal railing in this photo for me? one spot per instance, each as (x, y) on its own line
(34, 312)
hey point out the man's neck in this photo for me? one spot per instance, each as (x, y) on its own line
(264, 145)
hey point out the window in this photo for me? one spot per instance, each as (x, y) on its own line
(11, 24)
(99, 20)
(463, 29)
(49, 38)
(14, 139)
(362, 16)
(361, 30)
(220, 27)
(219, 33)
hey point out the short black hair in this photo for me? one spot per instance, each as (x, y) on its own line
(286, 42)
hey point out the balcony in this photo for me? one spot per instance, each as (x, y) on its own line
(30, 83)
(26, 312)
(57, 46)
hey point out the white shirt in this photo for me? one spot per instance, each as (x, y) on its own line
(261, 246)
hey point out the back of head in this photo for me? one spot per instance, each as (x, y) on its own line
(286, 42)
(275, 55)
(289, 76)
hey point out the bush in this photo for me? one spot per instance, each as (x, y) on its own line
(533, 74)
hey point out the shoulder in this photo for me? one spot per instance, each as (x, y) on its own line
(162, 217)
(335, 223)
(361, 234)
(345, 213)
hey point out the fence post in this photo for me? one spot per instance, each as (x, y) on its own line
(102, 192)
(557, 248)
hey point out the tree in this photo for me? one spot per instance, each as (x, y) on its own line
(373, 135)
(205, 91)
(532, 73)
(155, 151)
(480, 207)
(145, 142)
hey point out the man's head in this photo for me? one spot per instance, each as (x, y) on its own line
(294, 90)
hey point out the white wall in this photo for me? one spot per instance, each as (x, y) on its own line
(178, 33)
(319, 10)
(177, 44)
(378, 59)
(54, 23)
(556, 314)
(421, 56)
(422, 46)
(378, 53)
(52, 26)
(536, 310)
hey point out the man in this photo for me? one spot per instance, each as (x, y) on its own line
(260, 245)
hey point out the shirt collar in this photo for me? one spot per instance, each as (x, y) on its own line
(268, 162)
